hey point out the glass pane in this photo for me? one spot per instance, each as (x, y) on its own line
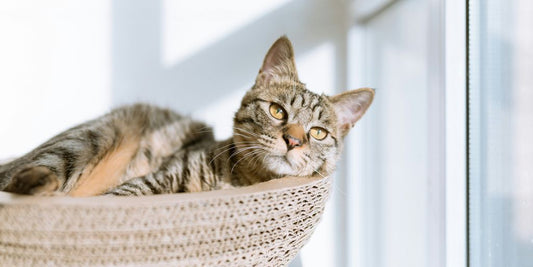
(500, 132)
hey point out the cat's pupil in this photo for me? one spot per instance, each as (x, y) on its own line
(279, 111)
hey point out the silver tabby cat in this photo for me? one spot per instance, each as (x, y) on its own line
(281, 129)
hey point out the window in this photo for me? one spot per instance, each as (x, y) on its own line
(500, 131)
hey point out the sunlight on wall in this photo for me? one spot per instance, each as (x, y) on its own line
(55, 69)
(316, 68)
(190, 26)
(219, 115)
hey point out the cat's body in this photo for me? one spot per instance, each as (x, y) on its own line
(280, 129)
(129, 142)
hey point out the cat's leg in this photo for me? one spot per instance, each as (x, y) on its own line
(48, 168)
(167, 179)
(153, 183)
(165, 152)
(34, 180)
(184, 171)
(160, 143)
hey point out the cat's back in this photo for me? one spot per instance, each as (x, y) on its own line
(143, 116)
(159, 128)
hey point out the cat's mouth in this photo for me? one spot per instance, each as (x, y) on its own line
(285, 164)
(295, 160)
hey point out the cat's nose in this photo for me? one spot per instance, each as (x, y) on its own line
(292, 141)
(294, 136)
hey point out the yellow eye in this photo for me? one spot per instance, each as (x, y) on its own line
(318, 133)
(277, 112)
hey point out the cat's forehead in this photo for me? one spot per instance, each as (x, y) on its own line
(289, 93)
(300, 103)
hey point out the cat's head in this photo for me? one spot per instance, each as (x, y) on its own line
(283, 129)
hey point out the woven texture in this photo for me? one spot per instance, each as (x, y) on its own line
(259, 225)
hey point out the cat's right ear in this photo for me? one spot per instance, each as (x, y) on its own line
(278, 62)
(350, 107)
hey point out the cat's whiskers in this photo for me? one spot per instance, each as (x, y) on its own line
(219, 154)
(259, 141)
(235, 143)
(323, 176)
(256, 158)
(241, 150)
(245, 136)
(264, 158)
(244, 131)
(265, 143)
(243, 157)
(227, 148)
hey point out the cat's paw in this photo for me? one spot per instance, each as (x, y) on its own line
(34, 181)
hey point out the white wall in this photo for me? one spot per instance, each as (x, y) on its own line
(55, 69)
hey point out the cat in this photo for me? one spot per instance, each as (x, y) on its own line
(281, 129)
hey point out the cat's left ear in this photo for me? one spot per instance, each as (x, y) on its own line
(350, 107)
(278, 62)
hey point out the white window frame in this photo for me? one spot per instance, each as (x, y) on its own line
(456, 133)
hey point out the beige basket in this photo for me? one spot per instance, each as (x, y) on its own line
(263, 225)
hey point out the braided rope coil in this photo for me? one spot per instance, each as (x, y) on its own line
(261, 225)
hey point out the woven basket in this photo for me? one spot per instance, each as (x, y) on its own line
(262, 225)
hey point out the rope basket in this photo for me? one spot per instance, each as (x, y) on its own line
(260, 225)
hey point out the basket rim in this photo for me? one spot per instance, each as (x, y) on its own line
(280, 184)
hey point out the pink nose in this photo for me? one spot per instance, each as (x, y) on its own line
(291, 141)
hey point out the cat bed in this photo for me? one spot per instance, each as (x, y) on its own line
(259, 225)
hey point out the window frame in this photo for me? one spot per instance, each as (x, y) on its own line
(456, 64)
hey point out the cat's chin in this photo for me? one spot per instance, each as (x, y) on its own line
(284, 165)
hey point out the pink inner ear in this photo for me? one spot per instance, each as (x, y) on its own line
(279, 61)
(348, 113)
(350, 107)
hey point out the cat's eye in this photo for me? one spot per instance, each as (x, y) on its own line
(277, 111)
(318, 133)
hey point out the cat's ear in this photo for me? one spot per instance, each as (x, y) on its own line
(350, 107)
(278, 62)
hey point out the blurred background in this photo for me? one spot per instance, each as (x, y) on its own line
(438, 172)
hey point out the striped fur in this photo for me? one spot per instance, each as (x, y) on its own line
(142, 149)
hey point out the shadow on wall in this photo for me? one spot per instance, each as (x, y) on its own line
(221, 68)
